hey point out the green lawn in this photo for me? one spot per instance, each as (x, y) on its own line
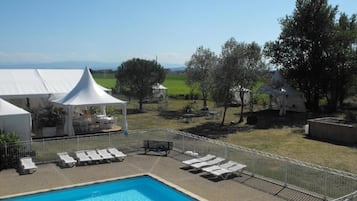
(176, 82)
(107, 80)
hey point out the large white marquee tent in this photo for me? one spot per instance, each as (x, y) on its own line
(34, 88)
(15, 119)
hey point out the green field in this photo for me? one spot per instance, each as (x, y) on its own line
(176, 82)
(107, 80)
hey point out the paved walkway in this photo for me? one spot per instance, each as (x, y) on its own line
(49, 176)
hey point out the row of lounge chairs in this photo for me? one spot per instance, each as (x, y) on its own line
(90, 156)
(27, 166)
(214, 165)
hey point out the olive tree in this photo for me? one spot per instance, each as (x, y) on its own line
(237, 67)
(198, 71)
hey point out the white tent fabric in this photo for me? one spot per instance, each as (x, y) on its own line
(236, 95)
(159, 86)
(283, 97)
(15, 119)
(87, 92)
(23, 83)
(159, 92)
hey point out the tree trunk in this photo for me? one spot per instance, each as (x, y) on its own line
(224, 115)
(141, 105)
(204, 97)
(241, 95)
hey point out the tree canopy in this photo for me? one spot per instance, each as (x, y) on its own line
(316, 52)
(238, 66)
(198, 70)
(136, 77)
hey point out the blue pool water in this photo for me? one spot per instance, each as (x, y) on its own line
(142, 188)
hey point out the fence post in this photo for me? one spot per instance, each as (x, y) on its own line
(225, 151)
(183, 143)
(109, 139)
(325, 184)
(77, 142)
(253, 164)
(286, 172)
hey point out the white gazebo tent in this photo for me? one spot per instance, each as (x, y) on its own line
(15, 119)
(159, 92)
(87, 93)
(282, 96)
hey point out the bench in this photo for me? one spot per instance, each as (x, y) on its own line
(157, 146)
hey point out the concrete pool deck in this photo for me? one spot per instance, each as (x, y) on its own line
(243, 188)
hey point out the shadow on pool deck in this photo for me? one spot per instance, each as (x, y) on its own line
(49, 176)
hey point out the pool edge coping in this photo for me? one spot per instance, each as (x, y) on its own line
(172, 185)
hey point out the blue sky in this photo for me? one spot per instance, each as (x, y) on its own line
(42, 31)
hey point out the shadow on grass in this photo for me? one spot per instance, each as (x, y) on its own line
(271, 119)
(214, 130)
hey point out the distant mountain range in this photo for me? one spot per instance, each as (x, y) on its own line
(95, 65)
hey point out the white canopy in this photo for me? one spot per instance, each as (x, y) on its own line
(87, 92)
(282, 95)
(159, 86)
(15, 119)
(22, 83)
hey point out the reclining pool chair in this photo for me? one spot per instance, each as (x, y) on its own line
(105, 154)
(217, 167)
(224, 173)
(66, 160)
(27, 166)
(94, 156)
(207, 163)
(82, 157)
(198, 160)
(116, 153)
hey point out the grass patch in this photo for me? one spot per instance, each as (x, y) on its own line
(107, 80)
(176, 83)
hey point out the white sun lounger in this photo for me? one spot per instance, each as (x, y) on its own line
(217, 167)
(104, 154)
(27, 166)
(225, 172)
(207, 163)
(94, 156)
(116, 153)
(66, 160)
(198, 160)
(82, 157)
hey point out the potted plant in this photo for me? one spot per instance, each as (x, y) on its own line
(49, 118)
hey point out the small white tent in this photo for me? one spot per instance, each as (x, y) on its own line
(15, 119)
(87, 93)
(159, 92)
(283, 97)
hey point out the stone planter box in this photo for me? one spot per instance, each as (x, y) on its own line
(48, 131)
(334, 130)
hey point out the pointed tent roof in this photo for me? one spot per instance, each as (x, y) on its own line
(159, 86)
(88, 92)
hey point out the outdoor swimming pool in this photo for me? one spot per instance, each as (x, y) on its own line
(141, 188)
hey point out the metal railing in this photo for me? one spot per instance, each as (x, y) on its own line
(323, 182)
